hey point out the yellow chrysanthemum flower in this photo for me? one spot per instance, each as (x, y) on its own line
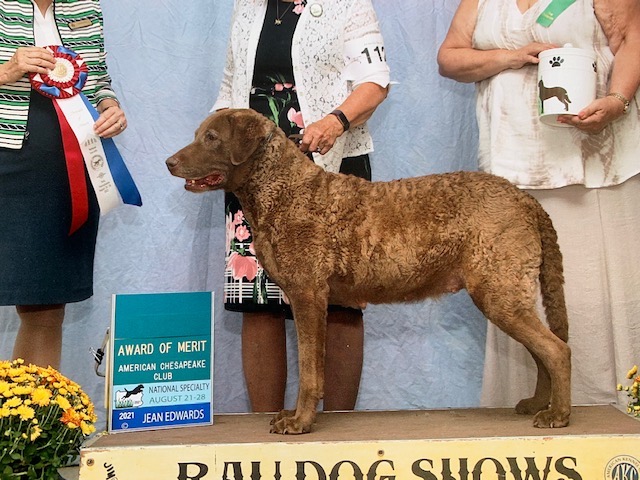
(15, 372)
(41, 396)
(4, 386)
(632, 372)
(62, 401)
(86, 428)
(22, 390)
(4, 412)
(26, 413)
(35, 433)
(13, 402)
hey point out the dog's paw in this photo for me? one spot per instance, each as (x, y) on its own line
(285, 422)
(289, 426)
(282, 414)
(531, 406)
(551, 419)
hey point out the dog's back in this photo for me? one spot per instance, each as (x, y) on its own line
(408, 239)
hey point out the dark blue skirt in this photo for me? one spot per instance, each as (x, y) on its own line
(40, 263)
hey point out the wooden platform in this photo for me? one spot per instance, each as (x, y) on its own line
(462, 444)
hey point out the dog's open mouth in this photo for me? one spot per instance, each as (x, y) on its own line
(210, 182)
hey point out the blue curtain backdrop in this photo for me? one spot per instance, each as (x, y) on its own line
(166, 59)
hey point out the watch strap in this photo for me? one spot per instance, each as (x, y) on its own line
(342, 118)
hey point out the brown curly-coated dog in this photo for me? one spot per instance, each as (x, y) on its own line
(381, 242)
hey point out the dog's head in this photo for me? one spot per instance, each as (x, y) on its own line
(224, 141)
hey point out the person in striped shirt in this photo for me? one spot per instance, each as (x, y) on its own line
(44, 267)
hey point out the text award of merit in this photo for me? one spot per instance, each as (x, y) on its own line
(161, 361)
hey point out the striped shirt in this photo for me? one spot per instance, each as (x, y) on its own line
(80, 26)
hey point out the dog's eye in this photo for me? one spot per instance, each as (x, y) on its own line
(210, 136)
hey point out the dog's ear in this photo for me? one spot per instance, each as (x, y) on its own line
(251, 132)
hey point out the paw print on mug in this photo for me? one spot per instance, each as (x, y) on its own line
(556, 61)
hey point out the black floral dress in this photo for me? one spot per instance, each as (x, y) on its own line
(247, 286)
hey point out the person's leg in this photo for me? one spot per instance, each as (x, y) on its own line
(39, 339)
(343, 360)
(264, 360)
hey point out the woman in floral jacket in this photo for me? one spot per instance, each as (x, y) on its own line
(318, 70)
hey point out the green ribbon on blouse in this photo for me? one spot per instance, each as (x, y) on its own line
(553, 11)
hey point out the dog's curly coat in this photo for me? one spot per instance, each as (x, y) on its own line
(332, 238)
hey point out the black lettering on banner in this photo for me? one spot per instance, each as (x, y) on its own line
(500, 471)
(335, 472)
(237, 471)
(184, 471)
(300, 473)
(447, 473)
(381, 57)
(570, 473)
(419, 472)
(532, 472)
(372, 474)
(255, 471)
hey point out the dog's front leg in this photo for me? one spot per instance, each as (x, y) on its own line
(310, 317)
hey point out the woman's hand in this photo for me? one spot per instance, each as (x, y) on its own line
(595, 116)
(27, 60)
(111, 121)
(358, 107)
(320, 136)
(527, 55)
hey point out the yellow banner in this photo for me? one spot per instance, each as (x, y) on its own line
(591, 457)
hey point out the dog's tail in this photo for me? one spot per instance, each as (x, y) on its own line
(552, 278)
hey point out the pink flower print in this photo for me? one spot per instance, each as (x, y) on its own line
(279, 87)
(299, 6)
(230, 233)
(242, 267)
(295, 117)
(242, 233)
(238, 218)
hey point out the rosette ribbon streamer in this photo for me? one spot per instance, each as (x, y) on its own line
(107, 171)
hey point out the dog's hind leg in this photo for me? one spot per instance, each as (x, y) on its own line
(542, 395)
(555, 355)
(515, 313)
(310, 317)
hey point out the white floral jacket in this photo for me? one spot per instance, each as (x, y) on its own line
(326, 37)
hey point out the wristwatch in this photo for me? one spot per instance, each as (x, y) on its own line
(622, 98)
(343, 119)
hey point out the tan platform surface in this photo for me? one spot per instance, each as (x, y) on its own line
(601, 420)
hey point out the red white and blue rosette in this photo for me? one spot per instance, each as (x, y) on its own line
(108, 173)
(66, 79)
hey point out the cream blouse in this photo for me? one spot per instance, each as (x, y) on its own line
(513, 142)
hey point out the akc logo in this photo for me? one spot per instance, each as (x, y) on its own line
(111, 472)
(622, 467)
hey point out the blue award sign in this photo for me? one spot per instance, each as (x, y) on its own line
(160, 361)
